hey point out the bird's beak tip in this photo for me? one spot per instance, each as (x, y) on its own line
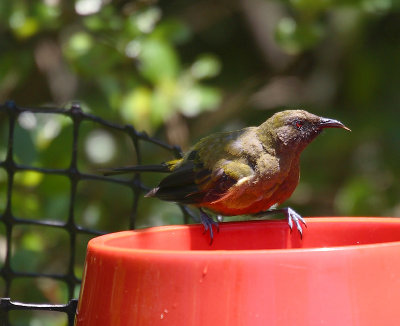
(331, 123)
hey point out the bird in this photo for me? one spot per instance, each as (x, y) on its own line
(249, 171)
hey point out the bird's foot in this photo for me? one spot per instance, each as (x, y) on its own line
(208, 224)
(292, 216)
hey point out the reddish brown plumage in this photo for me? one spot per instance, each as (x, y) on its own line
(245, 171)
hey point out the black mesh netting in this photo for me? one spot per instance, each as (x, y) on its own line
(11, 222)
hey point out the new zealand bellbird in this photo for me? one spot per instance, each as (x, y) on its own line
(241, 172)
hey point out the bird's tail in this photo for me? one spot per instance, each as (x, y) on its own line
(163, 167)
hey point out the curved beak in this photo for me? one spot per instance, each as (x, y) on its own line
(331, 123)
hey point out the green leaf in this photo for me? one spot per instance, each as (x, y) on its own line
(79, 44)
(24, 147)
(158, 60)
(136, 108)
(206, 66)
(147, 19)
(199, 98)
(173, 30)
(25, 27)
(311, 7)
(296, 37)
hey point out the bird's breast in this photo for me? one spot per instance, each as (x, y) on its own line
(248, 196)
(257, 193)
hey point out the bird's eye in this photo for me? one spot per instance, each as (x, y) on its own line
(299, 124)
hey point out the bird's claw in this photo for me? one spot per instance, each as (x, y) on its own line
(295, 218)
(292, 217)
(208, 223)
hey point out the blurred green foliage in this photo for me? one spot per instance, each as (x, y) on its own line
(181, 70)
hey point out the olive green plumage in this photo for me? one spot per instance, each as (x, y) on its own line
(241, 172)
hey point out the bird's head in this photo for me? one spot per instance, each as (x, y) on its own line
(297, 128)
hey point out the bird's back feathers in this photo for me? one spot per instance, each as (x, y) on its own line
(244, 171)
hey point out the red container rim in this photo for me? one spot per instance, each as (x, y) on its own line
(254, 237)
(344, 271)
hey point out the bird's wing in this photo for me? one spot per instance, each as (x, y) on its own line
(193, 183)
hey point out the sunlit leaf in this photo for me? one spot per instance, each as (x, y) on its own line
(147, 19)
(136, 107)
(29, 178)
(163, 101)
(88, 7)
(79, 44)
(100, 146)
(158, 60)
(206, 66)
(25, 27)
(199, 98)
(33, 241)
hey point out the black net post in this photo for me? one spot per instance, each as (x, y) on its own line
(72, 172)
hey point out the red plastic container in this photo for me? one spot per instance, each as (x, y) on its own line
(345, 272)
